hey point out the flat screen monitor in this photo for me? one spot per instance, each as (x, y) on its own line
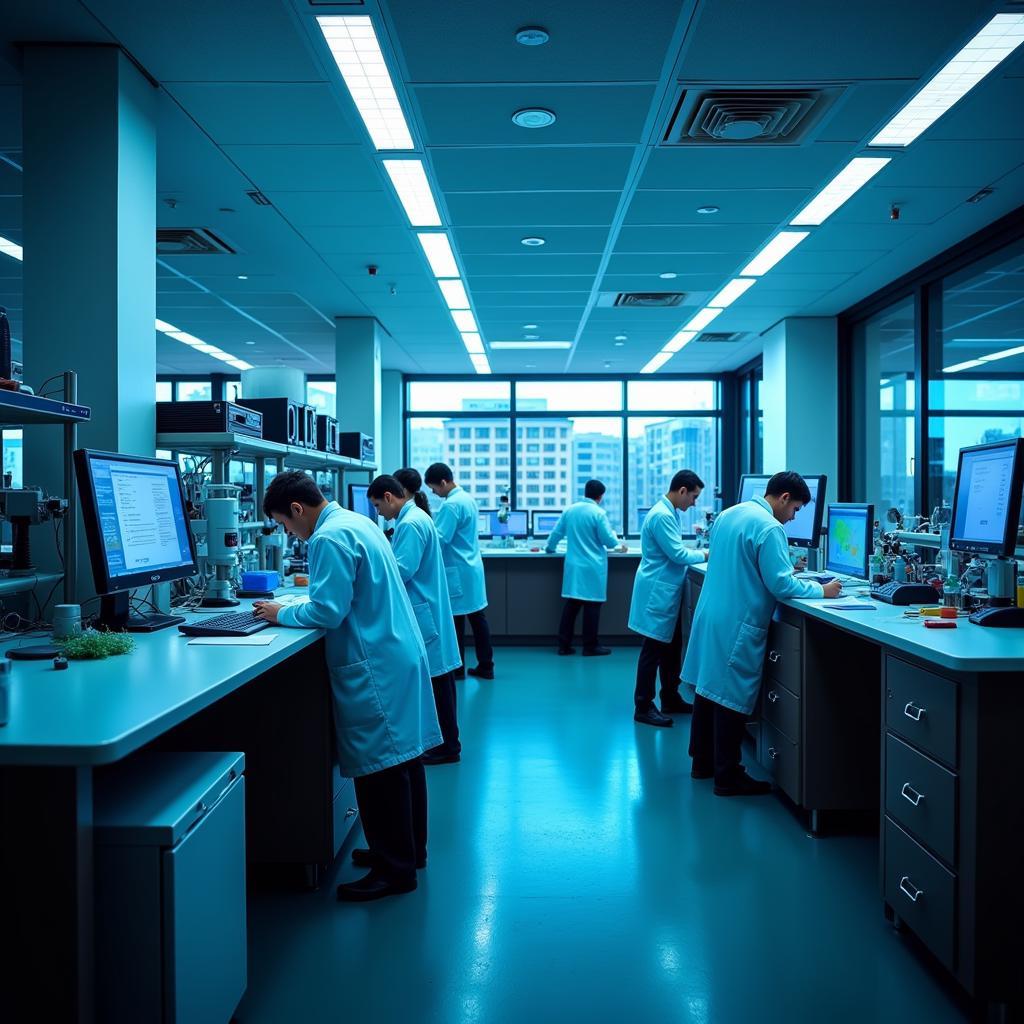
(804, 529)
(987, 498)
(543, 522)
(641, 515)
(752, 485)
(359, 502)
(516, 525)
(850, 528)
(481, 523)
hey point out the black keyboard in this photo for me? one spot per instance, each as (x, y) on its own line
(231, 624)
(904, 593)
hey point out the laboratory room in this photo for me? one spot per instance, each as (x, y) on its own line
(511, 511)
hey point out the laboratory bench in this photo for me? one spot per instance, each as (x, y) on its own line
(68, 730)
(870, 711)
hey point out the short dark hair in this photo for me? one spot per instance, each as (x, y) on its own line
(594, 489)
(789, 483)
(381, 485)
(688, 479)
(289, 487)
(438, 473)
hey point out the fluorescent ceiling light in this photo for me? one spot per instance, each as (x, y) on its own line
(992, 45)
(464, 320)
(11, 248)
(354, 46)
(732, 291)
(703, 318)
(454, 293)
(657, 362)
(969, 365)
(480, 363)
(164, 327)
(678, 341)
(474, 346)
(410, 181)
(531, 344)
(438, 251)
(857, 173)
(1005, 354)
(779, 246)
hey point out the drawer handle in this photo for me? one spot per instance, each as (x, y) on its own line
(774, 656)
(910, 794)
(351, 812)
(773, 696)
(773, 753)
(910, 890)
(914, 712)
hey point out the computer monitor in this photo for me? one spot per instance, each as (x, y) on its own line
(987, 498)
(542, 522)
(358, 501)
(516, 525)
(137, 528)
(641, 515)
(804, 529)
(482, 523)
(752, 485)
(850, 528)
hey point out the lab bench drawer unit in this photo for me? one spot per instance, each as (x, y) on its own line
(952, 820)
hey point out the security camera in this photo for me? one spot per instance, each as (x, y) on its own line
(894, 212)
(371, 270)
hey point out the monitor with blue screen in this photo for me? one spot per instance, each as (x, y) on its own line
(804, 529)
(641, 515)
(987, 498)
(358, 501)
(543, 522)
(850, 537)
(515, 526)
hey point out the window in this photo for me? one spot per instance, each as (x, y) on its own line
(658, 395)
(164, 391)
(459, 396)
(568, 395)
(12, 447)
(322, 395)
(194, 391)
(483, 432)
(465, 433)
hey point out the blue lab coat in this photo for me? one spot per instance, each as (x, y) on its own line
(418, 553)
(749, 570)
(460, 545)
(658, 587)
(380, 680)
(588, 539)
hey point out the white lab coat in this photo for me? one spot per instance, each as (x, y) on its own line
(588, 539)
(658, 586)
(380, 680)
(418, 553)
(456, 522)
(749, 570)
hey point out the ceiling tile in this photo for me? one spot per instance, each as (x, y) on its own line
(532, 209)
(531, 168)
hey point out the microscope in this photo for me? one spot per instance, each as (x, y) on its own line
(218, 531)
(24, 507)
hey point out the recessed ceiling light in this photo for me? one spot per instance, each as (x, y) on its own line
(700, 320)
(679, 340)
(708, 209)
(474, 345)
(534, 117)
(969, 365)
(621, 337)
(438, 250)
(243, 277)
(410, 181)
(464, 320)
(531, 366)
(533, 35)
(855, 175)
(529, 327)
(619, 344)
(532, 240)
(668, 276)
(535, 345)
(530, 337)
(657, 362)
(480, 363)
(774, 251)
(164, 327)
(454, 293)
(11, 248)
(250, 343)
(732, 291)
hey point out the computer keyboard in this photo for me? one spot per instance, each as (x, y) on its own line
(904, 593)
(230, 624)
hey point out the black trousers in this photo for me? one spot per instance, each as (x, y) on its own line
(658, 658)
(393, 809)
(447, 716)
(591, 622)
(481, 639)
(716, 739)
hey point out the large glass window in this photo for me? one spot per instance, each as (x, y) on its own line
(569, 395)
(658, 395)
(463, 396)
(164, 391)
(194, 391)
(321, 394)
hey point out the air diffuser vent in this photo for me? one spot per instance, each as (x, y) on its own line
(189, 242)
(718, 338)
(747, 117)
(648, 299)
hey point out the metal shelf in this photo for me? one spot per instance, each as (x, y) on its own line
(18, 409)
(22, 584)
(243, 447)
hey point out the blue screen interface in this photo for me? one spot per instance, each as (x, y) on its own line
(544, 522)
(983, 495)
(514, 526)
(849, 538)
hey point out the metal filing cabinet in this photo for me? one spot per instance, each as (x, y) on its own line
(170, 889)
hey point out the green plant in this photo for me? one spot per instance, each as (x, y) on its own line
(92, 645)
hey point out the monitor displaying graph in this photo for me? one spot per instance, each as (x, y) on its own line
(849, 539)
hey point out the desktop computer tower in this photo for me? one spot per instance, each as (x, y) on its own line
(354, 445)
(327, 435)
(208, 418)
(281, 419)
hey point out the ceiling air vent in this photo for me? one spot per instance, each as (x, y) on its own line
(189, 242)
(747, 117)
(645, 300)
(718, 338)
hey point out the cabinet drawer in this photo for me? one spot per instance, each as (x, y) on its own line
(921, 796)
(921, 891)
(783, 662)
(343, 813)
(781, 708)
(780, 757)
(921, 707)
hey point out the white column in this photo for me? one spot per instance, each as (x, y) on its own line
(357, 372)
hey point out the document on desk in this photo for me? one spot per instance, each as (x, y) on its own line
(255, 640)
(853, 605)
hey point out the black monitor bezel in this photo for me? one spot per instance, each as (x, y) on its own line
(819, 512)
(870, 508)
(1009, 542)
(751, 476)
(375, 518)
(541, 512)
(503, 536)
(102, 580)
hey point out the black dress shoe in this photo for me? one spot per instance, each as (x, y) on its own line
(700, 773)
(566, 650)
(362, 858)
(596, 652)
(652, 716)
(481, 673)
(743, 785)
(373, 887)
(439, 757)
(675, 705)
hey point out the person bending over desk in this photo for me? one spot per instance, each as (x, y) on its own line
(748, 571)
(380, 679)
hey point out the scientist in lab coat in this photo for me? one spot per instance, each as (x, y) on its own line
(656, 609)
(380, 678)
(456, 522)
(588, 539)
(748, 571)
(418, 553)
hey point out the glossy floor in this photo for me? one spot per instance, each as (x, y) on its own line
(577, 873)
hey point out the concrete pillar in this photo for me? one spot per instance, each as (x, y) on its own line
(90, 250)
(357, 372)
(390, 448)
(799, 396)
